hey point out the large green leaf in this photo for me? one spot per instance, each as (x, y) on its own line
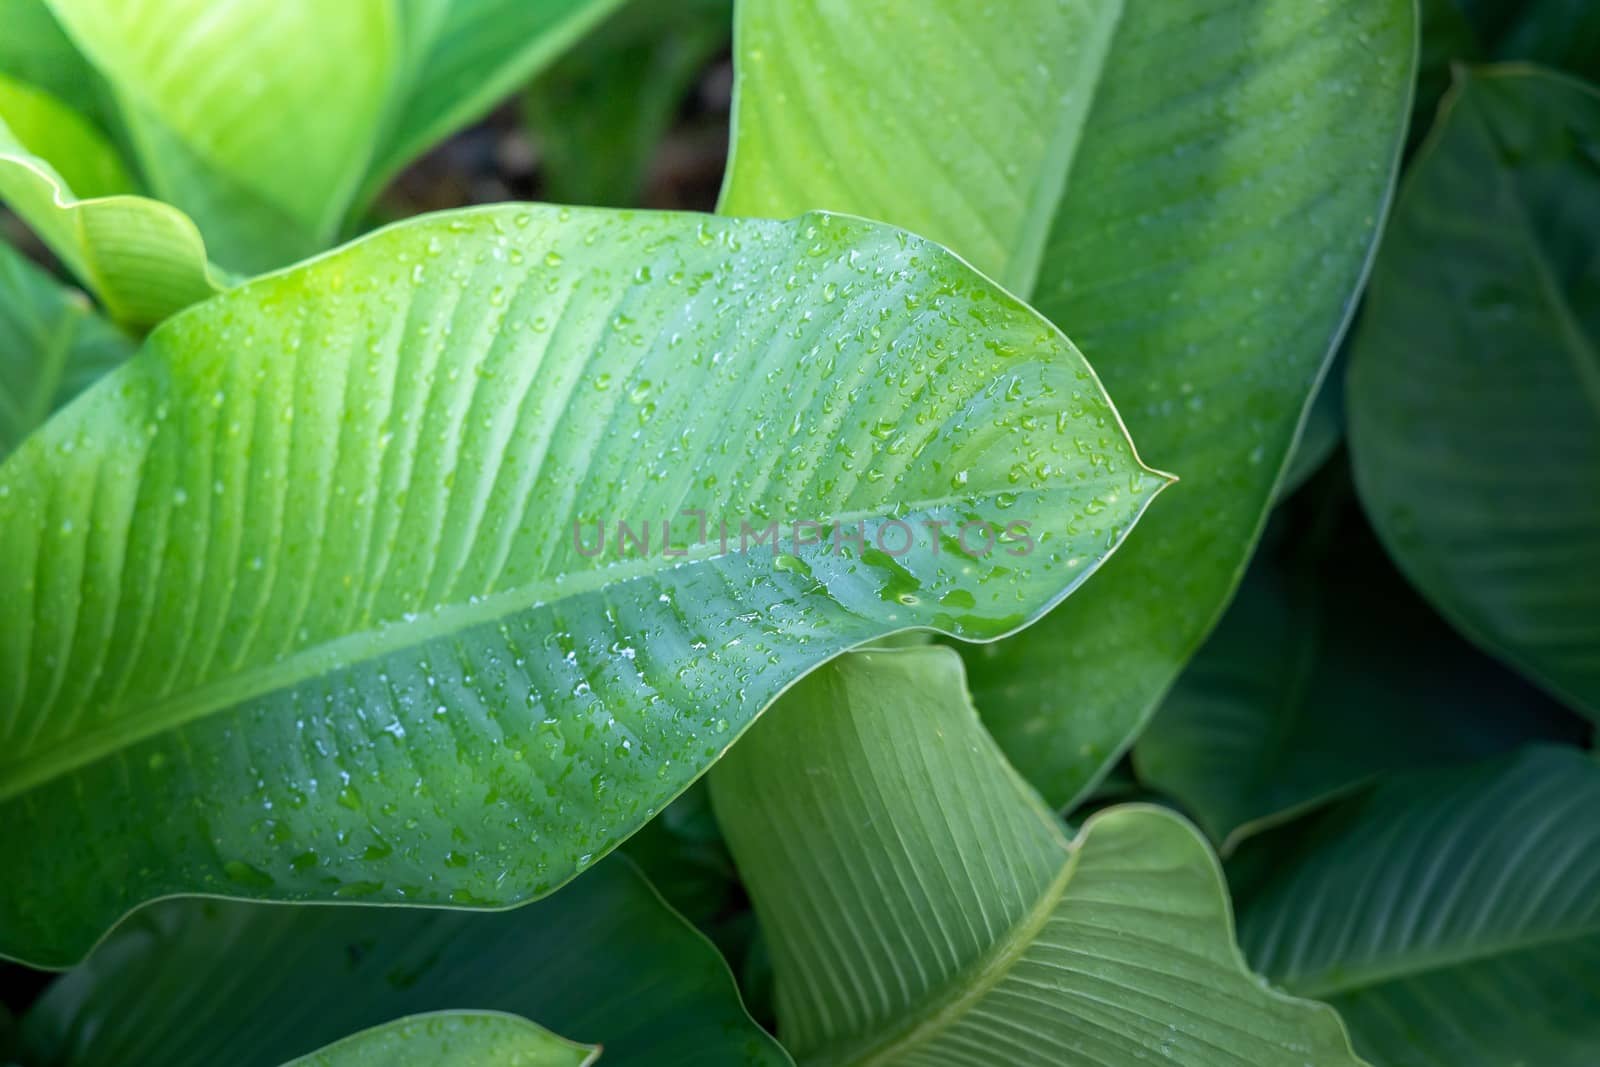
(1475, 381)
(1325, 673)
(1192, 190)
(1453, 918)
(257, 118)
(52, 346)
(143, 259)
(461, 57)
(192, 983)
(599, 114)
(924, 907)
(308, 597)
(453, 1039)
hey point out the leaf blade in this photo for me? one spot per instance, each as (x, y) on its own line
(923, 906)
(429, 393)
(1493, 223)
(452, 1039)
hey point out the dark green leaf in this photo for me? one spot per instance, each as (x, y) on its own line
(193, 983)
(1475, 379)
(1452, 918)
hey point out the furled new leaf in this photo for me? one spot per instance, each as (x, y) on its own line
(257, 118)
(192, 983)
(1452, 918)
(1192, 190)
(924, 907)
(52, 346)
(1325, 673)
(323, 595)
(452, 1039)
(1475, 380)
(143, 259)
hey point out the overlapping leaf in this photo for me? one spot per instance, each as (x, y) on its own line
(453, 1039)
(1475, 380)
(1451, 918)
(256, 118)
(924, 907)
(1326, 673)
(1191, 190)
(191, 983)
(143, 259)
(52, 346)
(308, 601)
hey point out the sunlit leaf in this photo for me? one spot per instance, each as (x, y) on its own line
(1190, 190)
(309, 600)
(257, 118)
(143, 259)
(924, 907)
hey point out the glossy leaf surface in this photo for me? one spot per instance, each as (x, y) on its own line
(191, 983)
(1190, 190)
(453, 1039)
(1475, 380)
(924, 907)
(312, 600)
(1451, 918)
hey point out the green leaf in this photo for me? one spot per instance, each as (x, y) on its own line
(1452, 918)
(1475, 379)
(48, 128)
(143, 259)
(1191, 190)
(463, 56)
(1326, 673)
(52, 346)
(309, 597)
(34, 50)
(453, 1039)
(923, 906)
(599, 114)
(182, 981)
(257, 118)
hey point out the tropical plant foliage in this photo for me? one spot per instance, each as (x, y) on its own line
(770, 636)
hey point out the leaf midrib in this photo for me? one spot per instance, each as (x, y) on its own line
(31, 769)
